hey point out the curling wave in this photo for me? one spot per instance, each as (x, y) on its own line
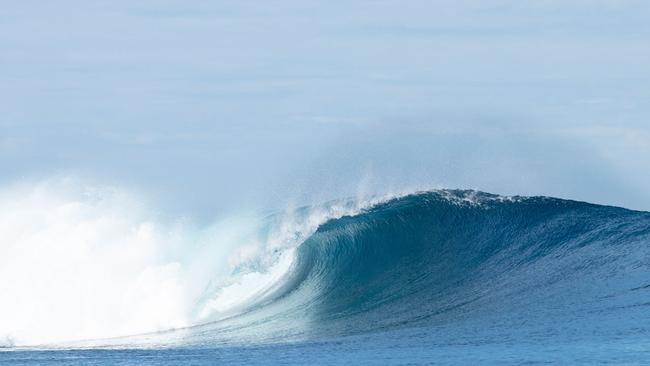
(453, 264)
(459, 264)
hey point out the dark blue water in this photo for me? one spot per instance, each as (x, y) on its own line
(446, 277)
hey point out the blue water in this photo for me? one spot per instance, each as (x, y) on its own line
(444, 277)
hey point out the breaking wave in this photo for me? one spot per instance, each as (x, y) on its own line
(454, 263)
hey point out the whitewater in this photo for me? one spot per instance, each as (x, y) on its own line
(94, 274)
(84, 261)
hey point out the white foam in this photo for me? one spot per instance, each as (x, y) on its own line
(84, 262)
(79, 263)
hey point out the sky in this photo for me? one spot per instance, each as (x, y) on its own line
(210, 106)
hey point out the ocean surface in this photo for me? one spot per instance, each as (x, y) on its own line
(439, 277)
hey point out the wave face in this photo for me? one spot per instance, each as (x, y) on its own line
(459, 265)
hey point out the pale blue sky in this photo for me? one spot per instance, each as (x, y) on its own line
(212, 104)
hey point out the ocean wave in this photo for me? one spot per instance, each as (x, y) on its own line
(456, 263)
